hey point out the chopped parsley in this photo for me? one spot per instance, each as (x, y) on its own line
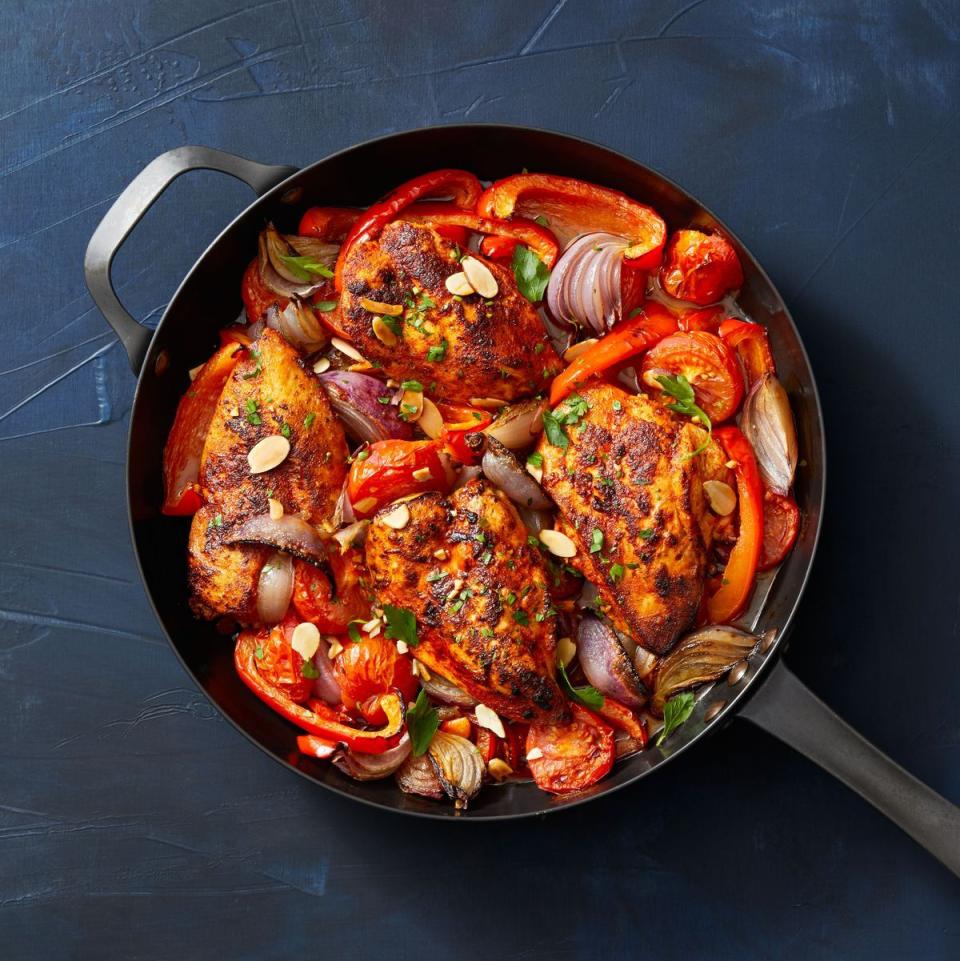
(309, 670)
(434, 576)
(676, 712)
(255, 354)
(438, 352)
(325, 305)
(521, 617)
(414, 385)
(540, 219)
(401, 625)
(616, 572)
(596, 541)
(422, 723)
(535, 459)
(309, 419)
(646, 533)
(353, 631)
(285, 430)
(259, 652)
(253, 415)
(554, 431)
(680, 389)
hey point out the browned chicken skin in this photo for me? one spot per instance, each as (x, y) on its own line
(496, 348)
(484, 616)
(626, 473)
(274, 388)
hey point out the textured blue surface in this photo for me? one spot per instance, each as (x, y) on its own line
(135, 823)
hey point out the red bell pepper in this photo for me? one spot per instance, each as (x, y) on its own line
(629, 337)
(752, 347)
(459, 422)
(733, 594)
(317, 747)
(234, 335)
(181, 454)
(539, 239)
(623, 719)
(320, 720)
(330, 224)
(498, 248)
(572, 207)
(392, 469)
(462, 185)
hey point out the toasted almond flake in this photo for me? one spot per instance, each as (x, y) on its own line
(431, 420)
(398, 518)
(379, 307)
(441, 554)
(269, 453)
(575, 350)
(411, 404)
(361, 366)
(558, 543)
(402, 647)
(371, 625)
(415, 668)
(731, 464)
(383, 333)
(347, 348)
(422, 474)
(349, 535)
(499, 769)
(366, 505)
(479, 277)
(488, 403)
(194, 371)
(535, 754)
(566, 651)
(722, 497)
(335, 647)
(305, 640)
(458, 285)
(488, 718)
(322, 365)
(276, 509)
(234, 411)
(535, 471)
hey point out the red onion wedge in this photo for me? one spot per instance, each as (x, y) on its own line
(373, 767)
(584, 287)
(518, 426)
(767, 422)
(289, 533)
(446, 691)
(325, 684)
(417, 776)
(355, 398)
(606, 665)
(275, 588)
(503, 469)
(271, 247)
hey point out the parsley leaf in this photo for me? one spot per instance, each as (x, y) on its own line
(353, 631)
(675, 712)
(540, 219)
(596, 541)
(401, 625)
(422, 723)
(413, 385)
(309, 419)
(325, 305)
(535, 459)
(646, 533)
(309, 670)
(586, 695)
(305, 268)
(439, 352)
(679, 388)
(531, 272)
(616, 572)
(554, 431)
(521, 617)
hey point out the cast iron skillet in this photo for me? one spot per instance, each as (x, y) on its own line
(763, 691)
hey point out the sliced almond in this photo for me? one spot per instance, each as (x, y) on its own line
(411, 405)
(269, 453)
(458, 285)
(535, 471)
(431, 420)
(379, 307)
(479, 277)
(361, 366)
(488, 403)
(566, 651)
(348, 536)
(535, 754)
(335, 648)
(488, 718)
(402, 647)
(276, 508)
(575, 350)
(372, 625)
(305, 640)
(322, 365)
(499, 769)
(422, 474)
(383, 333)
(558, 543)
(345, 347)
(441, 554)
(722, 497)
(731, 464)
(398, 518)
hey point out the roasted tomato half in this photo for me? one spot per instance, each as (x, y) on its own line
(389, 469)
(700, 267)
(781, 523)
(331, 606)
(370, 667)
(572, 756)
(279, 664)
(707, 363)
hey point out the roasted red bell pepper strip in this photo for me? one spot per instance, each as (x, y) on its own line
(629, 337)
(462, 185)
(181, 454)
(314, 746)
(234, 335)
(498, 248)
(752, 347)
(539, 239)
(330, 224)
(707, 318)
(623, 719)
(321, 720)
(573, 207)
(459, 422)
(733, 594)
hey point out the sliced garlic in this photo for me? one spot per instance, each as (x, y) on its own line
(441, 554)
(534, 754)
(499, 769)
(458, 285)
(488, 718)
(348, 536)
(566, 651)
(269, 453)
(558, 543)
(379, 307)
(479, 277)
(431, 420)
(347, 348)
(383, 333)
(305, 640)
(398, 518)
(322, 365)
(574, 351)
(276, 509)
(731, 464)
(722, 497)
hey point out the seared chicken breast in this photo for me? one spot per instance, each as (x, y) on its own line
(271, 392)
(630, 497)
(467, 346)
(463, 566)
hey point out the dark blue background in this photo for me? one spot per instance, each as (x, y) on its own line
(134, 822)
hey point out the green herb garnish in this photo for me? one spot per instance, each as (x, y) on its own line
(521, 617)
(588, 696)
(554, 431)
(309, 419)
(422, 723)
(679, 388)
(305, 268)
(616, 572)
(325, 305)
(531, 273)
(309, 670)
(414, 385)
(535, 459)
(401, 625)
(353, 631)
(439, 352)
(675, 712)
(596, 541)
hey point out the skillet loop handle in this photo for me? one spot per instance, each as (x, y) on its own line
(129, 208)
(787, 709)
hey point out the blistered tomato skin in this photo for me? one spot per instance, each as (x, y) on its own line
(700, 268)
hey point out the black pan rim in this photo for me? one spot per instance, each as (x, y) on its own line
(551, 804)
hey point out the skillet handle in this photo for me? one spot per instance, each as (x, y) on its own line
(129, 208)
(787, 709)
